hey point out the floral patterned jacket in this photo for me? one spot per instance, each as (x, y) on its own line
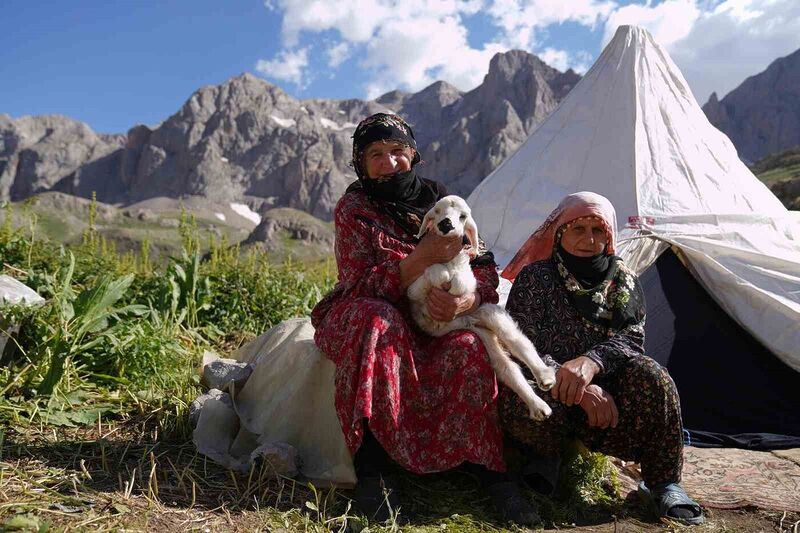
(540, 304)
(369, 248)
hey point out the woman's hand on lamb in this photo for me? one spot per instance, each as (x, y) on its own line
(431, 249)
(600, 408)
(572, 379)
(444, 307)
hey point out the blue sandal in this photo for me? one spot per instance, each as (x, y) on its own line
(669, 500)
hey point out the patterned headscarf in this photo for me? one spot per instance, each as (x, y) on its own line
(607, 301)
(540, 244)
(405, 197)
(380, 127)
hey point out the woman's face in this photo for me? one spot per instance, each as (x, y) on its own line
(584, 237)
(382, 159)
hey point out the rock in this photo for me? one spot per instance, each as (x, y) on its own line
(75, 205)
(215, 395)
(248, 138)
(145, 214)
(218, 373)
(169, 223)
(53, 152)
(762, 115)
(280, 458)
(296, 225)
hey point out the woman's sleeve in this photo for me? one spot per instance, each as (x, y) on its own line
(520, 305)
(360, 271)
(626, 344)
(487, 281)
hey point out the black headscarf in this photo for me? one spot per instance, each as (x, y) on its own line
(405, 196)
(605, 293)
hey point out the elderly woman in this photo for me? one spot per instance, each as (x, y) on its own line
(583, 308)
(425, 403)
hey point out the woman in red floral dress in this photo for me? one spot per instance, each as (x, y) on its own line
(425, 403)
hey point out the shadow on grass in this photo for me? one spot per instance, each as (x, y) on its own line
(123, 469)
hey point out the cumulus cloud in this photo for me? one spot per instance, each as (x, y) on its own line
(337, 54)
(739, 38)
(440, 51)
(563, 60)
(717, 45)
(522, 20)
(410, 44)
(413, 43)
(287, 66)
(668, 21)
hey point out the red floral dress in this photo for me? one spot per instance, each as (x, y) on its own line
(431, 401)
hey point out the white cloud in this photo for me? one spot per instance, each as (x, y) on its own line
(338, 53)
(410, 44)
(413, 43)
(738, 39)
(521, 20)
(668, 22)
(563, 60)
(440, 51)
(287, 66)
(407, 44)
(718, 45)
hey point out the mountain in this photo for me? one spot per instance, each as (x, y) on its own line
(247, 140)
(37, 152)
(762, 115)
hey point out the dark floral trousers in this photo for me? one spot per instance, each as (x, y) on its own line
(649, 430)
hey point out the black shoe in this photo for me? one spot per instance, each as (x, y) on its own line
(512, 504)
(377, 498)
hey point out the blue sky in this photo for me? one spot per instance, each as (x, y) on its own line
(117, 63)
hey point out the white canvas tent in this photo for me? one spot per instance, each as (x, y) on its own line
(632, 131)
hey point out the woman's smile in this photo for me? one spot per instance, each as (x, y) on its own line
(585, 237)
(385, 159)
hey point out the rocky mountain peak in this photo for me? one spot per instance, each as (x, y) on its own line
(762, 115)
(248, 140)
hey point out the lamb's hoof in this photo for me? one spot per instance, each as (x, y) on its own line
(546, 378)
(539, 413)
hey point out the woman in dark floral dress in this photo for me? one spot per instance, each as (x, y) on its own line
(425, 403)
(584, 310)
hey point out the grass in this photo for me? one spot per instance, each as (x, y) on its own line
(95, 390)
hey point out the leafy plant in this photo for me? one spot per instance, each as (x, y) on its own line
(72, 324)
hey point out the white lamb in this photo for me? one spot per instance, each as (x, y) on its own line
(452, 216)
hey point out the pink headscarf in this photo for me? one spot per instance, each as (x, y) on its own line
(539, 246)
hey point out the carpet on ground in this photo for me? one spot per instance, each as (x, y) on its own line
(729, 478)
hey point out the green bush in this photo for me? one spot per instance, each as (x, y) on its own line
(119, 324)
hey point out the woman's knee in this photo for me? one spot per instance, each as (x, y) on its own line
(646, 371)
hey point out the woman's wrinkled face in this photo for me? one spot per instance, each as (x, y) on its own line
(385, 159)
(584, 237)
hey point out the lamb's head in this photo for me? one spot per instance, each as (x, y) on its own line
(452, 216)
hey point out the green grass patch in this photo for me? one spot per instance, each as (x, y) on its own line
(95, 390)
(778, 174)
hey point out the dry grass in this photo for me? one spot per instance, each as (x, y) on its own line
(124, 477)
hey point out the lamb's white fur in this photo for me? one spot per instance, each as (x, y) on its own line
(490, 322)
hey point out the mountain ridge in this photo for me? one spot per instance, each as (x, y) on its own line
(761, 116)
(247, 139)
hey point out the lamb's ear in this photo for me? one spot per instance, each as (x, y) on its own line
(427, 222)
(471, 231)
